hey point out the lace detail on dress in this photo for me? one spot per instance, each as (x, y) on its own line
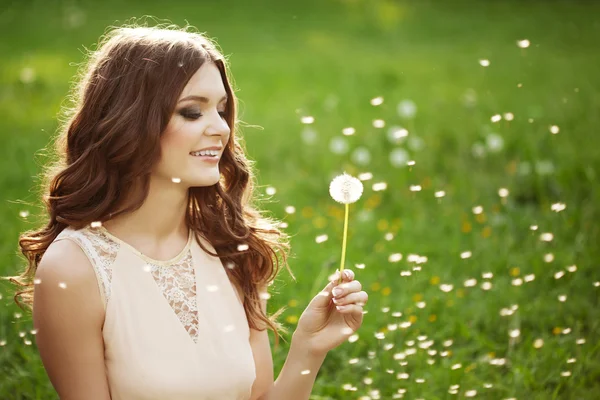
(177, 283)
(100, 250)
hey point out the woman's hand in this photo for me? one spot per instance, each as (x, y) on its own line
(322, 326)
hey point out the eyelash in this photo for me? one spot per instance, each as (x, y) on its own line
(195, 115)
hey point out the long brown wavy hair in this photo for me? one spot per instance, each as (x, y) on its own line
(125, 94)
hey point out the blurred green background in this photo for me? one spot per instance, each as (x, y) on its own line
(480, 257)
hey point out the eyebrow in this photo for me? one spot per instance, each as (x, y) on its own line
(201, 99)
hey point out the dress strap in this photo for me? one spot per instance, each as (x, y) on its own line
(100, 250)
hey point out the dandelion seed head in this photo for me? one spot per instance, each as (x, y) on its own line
(345, 189)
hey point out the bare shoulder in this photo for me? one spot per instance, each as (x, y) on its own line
(68, 315)
(66, 270)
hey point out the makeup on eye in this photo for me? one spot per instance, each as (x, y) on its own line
(194, 113)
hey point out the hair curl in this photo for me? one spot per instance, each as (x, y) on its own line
(123, 98)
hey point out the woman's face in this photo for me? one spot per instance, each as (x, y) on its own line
(197, 123)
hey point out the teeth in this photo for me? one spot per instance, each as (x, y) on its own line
(205, 153)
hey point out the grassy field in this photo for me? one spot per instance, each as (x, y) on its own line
(487, 290)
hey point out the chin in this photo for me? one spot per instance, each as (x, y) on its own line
(205, 181)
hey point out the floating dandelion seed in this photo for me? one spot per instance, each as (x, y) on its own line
(377, 187)
(271, 191)
(477, 210)
(486, 286)
(37, 281)
(415, 188)
(514, 333)
(546, 237)
(378, 123)
(554, 129)
(572, 268)
(470, 282)
(466, 254)
(62, 285)
(509, 116)
(559, 274)
(395, 257)
(410, 163)
(503, 192)
(565, 373)
(562, 298)
(348, 131)
(533, 227)
(396, 134)
(365, 176)
(487, 275)
(484, 63)
(496, 118)
(440, 193)
(307, 119)
(321, 238)
(243, 247)
(24, 213)
(345, 189)
(548, 257)
(96, 224)
(446, 287)
(176, 180)
(377, 101)
(558, 207)
(290, 209)
(538, 343)
(523, 43)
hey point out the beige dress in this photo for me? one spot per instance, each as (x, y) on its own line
(174, 329)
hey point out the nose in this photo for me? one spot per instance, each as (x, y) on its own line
(218, 126)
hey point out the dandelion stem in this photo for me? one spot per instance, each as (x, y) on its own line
(344, 242)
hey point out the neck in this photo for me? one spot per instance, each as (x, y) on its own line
(161, 216)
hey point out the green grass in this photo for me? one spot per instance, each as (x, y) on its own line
(328, 59)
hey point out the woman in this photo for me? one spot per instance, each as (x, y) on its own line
(149, 280)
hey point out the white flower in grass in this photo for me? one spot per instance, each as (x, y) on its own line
(345, 189)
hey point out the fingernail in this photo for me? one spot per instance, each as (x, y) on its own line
(348, 274)
(337, 291)
(340, 308)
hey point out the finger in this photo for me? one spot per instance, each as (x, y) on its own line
(347, 288)
(350, 309)
(334, 278)
(348, 275)
(359, 298)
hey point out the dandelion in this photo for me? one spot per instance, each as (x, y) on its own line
(345, 189)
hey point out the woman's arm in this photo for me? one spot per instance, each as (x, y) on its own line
(69, 320)
(297, 377)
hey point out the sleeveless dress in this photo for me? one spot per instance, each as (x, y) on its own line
(173, 329)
